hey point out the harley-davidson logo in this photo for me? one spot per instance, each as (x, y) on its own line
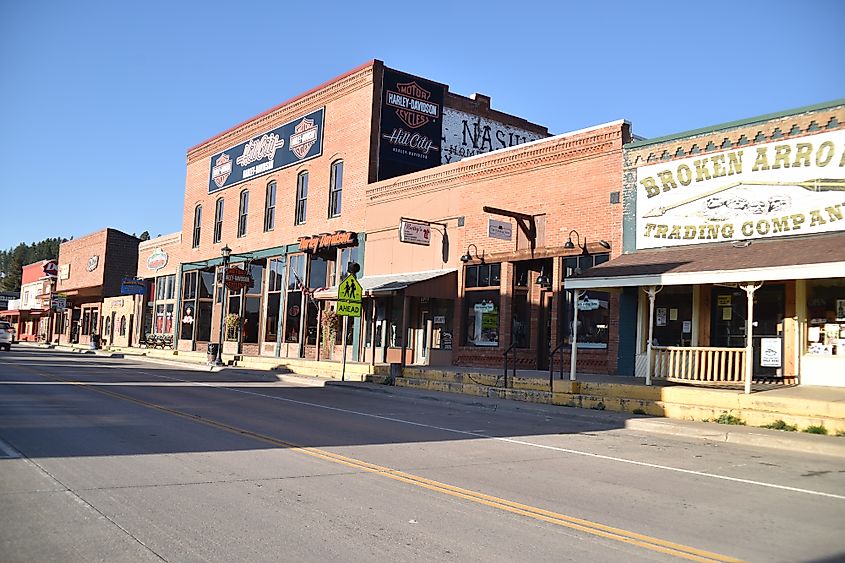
(412, 105)
(303, 138)
(222, 169)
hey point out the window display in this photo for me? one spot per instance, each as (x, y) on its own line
(826, 317)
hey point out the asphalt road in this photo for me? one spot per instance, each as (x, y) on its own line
(106, 459)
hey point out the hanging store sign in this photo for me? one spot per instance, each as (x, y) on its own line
(237, 279)
(132, 286)
(499, 229)
(157, 260)
(51, 269)
(293, 142)
(465, 134)
(411, 124)
(787, 187)
(414, 232)
(326, 241)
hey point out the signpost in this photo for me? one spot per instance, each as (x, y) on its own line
(349, 296)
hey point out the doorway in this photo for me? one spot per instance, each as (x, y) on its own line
(729, 312)
(544, 332)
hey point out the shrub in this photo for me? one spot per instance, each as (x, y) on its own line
(639, 411)
(727, 418)
(781, 425)
(820, 429)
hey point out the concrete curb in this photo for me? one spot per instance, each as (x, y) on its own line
(743, 435)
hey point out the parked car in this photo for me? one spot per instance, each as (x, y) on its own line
(6, 335)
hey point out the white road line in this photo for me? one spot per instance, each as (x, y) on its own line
(520, 442)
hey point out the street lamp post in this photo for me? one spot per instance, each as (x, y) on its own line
(226, 252)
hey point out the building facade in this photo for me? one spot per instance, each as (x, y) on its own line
(735, 251)
(92, 269)
(285, 191)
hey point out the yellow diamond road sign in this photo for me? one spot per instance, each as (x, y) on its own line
(349, 290)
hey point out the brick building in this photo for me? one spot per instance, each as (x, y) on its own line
(504, 231)
(735, 251)
(91, 269)
(286, 192)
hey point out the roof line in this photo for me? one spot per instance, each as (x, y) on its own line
(738, 123)
(291, 100)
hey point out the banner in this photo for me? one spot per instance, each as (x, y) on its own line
(786, 187)
(411, 124)
(293, 142)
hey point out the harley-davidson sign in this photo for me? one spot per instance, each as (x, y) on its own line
(293, 142)
(237, 279)
(338, 239)
(411, 124)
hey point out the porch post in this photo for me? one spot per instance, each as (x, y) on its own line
(576, 295)
(406, 312)
(652, 292)
(749, 288)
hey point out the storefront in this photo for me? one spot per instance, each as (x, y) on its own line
(736, 252)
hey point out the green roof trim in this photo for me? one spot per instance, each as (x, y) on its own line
(733, 124)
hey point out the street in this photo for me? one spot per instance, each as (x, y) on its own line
(123, 460)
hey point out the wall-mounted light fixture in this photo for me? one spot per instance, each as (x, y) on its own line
(583, 246)
(469, 257)
(543, 280)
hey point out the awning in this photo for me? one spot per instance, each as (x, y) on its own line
(432, 283)
(795, 258)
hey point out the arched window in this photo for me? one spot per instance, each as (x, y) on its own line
(301, 198)
(107, 327)
(197, 225)
(243, 211)
(270, 207)
(122, 325)
(218, 220)
(336, 188)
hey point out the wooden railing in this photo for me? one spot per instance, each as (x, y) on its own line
(699, 364)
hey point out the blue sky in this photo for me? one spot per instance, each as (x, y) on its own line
(101, 100)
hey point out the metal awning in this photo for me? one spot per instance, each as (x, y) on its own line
(807, 257)
(431, 283)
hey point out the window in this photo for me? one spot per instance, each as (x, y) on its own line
(481, 305)
(347, 255)
(293, 314)
(336, 188)
(593, 308)
(275, 285)
(218, 220)
(301, 197)
(243, 211)
(197, 225)
(189, 305)
(122, 326)
(270, 207)
(252, 303)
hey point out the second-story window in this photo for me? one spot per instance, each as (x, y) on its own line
(197, 225)
(336, 188)
(301, 197)
(243, 211)
(218, 220)
(270, 207)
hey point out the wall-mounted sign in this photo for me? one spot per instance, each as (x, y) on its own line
(723, 300)
(465, 134)
(51, 269)
(64, 272)
(787, 187)
(132, 286)
(237, 279)
(499, 229)
(411, 124)
(589, 304)
(117, 304)
(58, 303)
(157, 260)
(326, 241)
(770, 352)
(93, 262)
(414, 232)
(293, 142)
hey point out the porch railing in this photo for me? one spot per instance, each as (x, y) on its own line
(699, 364)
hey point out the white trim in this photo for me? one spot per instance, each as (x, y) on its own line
(774, 273)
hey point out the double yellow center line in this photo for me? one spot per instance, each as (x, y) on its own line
(586, 526)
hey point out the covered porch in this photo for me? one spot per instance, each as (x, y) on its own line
(731, 314)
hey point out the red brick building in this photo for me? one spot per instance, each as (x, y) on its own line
(272, 188)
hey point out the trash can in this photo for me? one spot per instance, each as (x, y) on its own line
(213, 349)
(95, 341)
(395, 371)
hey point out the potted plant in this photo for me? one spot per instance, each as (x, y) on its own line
(329, 324)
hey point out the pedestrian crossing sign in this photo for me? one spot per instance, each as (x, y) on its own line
(350, 290)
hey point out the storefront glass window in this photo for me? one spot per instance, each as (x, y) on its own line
(481, 318)
(203, 321)
(275, 284)
(293, 316)
(521, 322)
(593, 307)
(826, 317)
(673, 316)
